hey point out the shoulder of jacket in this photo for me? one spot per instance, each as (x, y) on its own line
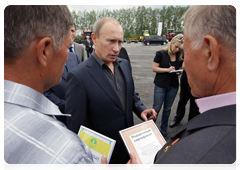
(78, 45)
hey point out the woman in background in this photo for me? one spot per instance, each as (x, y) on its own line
(166, 84)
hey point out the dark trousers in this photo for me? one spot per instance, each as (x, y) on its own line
(185, 95)
(183, 99)
(89, 51)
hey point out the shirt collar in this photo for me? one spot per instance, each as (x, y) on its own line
(27, 97)
(216, 101)
(101, 63)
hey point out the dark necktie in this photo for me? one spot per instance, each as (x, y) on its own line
(70, 49)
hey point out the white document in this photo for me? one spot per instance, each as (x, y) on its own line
(144, 140)
(146, 145)
(176, 71)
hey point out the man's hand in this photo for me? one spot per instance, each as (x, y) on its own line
(149, 114)
(132, 163)
(104, 159)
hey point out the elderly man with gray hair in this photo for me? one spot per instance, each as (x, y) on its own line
(210, 63)
(32, 135)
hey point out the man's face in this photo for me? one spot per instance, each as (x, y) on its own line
(109, 42)
(195, 66)
(73, 33)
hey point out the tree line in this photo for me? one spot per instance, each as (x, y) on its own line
(134, 20)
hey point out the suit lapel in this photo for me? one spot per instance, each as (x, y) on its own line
(99, 76)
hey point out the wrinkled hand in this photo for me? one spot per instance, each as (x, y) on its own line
(104, 163)
(149, 114)
(132, 163)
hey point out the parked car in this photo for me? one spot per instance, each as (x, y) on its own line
(154, 39)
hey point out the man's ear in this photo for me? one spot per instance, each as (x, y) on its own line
(212, 52)
(44, 50)
(94, 39)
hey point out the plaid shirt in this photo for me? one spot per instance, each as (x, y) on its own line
(32, 135)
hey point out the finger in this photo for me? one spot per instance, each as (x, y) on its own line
(133, 159)
(104, 159)
(144, 117)
(154, 112)
(128, 165)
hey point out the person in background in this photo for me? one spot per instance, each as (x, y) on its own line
(123, 54)
(185, 95)
(210, 64)
(88, 46)
(100, 91)
(57, 93)
(166, 83)
(75, 47)
(31, 66)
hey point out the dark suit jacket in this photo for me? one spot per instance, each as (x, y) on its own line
(209, 138)
(57, 93)
(93, 102)
(88, 44)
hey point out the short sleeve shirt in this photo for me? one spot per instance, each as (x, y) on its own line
(166, 79)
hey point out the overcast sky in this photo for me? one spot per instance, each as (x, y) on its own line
(109, 7)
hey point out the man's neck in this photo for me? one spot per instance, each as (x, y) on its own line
(22, 77)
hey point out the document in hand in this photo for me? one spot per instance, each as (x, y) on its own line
(176, 71)
(99, 144)
(144, 140)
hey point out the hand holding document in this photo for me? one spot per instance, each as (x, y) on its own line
(99, 144)
(143, 140)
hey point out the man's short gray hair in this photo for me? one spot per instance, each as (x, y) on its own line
(218, 21)
(24, 23)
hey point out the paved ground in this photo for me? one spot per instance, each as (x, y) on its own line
(141, 58)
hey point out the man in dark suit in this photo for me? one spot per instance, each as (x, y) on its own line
(123, 54)
(100, 92)
(57, 93)
(75, 47)
(210, 64)
(88, 46)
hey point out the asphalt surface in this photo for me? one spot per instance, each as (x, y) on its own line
(141, 58)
